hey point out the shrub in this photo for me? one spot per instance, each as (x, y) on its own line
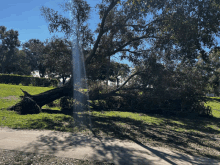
(66, 102)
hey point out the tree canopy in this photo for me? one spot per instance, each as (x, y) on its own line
(179, 30)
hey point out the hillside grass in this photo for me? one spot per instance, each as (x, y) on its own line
(214, 103)
(196, 136)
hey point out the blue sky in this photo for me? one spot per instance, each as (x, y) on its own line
(25, 17)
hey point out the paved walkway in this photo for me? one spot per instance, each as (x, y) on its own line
(79, 146)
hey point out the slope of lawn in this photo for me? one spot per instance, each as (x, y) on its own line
(196, 136)
(9, 94)
(214, 103)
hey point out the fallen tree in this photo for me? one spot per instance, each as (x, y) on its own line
(33, 103)
(177, 35)
(182, 97)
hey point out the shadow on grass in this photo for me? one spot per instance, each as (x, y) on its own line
(50, 111)
(196, 136)
(137, 132)
(50, 124)
(193, 136)
(66, 121)
(213, 99)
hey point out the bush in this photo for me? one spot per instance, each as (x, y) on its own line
(66, 102)
(173, 93)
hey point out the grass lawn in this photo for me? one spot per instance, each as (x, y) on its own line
(214, 103)
(196, 136)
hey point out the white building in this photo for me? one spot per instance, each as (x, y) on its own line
(36, 74)
(121, 80)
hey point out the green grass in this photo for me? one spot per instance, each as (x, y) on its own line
(214, 103)
(151, 120)
(36, 121)
(189, 135)
(10, 95)
(14, 90)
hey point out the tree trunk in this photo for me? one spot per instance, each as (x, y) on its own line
(108, 66)
(64, 80)
(44, 98)
(48, 96)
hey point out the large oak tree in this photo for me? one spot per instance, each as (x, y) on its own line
(177, 32)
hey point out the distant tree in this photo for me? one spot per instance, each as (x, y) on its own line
(20, 64)
(59, 58)
(210, 69)
(8, 45)
(34, 49)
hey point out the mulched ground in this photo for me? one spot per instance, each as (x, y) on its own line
(10, 157)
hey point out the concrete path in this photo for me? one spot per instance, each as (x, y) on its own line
(79, 146)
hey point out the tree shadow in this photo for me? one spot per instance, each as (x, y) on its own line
(50, 111)
(213, 99)
(150, 108)
(81, 146)
(192, 137)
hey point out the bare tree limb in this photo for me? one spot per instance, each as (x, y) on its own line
(126, 44)
(25, 94)
(101, 32)
(128, 50)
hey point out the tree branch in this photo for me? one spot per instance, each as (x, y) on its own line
(120, 25)
(126, 44)
(128, 50)
(25, 94)
(101, 32)
(136, 73)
